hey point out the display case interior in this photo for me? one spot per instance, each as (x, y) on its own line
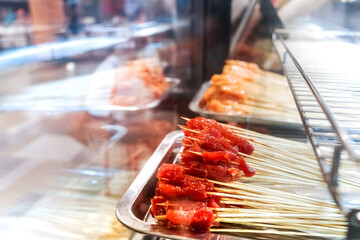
(89, 89)
(325, 89)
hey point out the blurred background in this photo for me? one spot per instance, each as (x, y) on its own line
(62, 65)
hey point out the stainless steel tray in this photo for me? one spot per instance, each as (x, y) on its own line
(133, 209)
(194, 106)
(102, 101)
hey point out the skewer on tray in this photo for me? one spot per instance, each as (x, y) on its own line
(243, 88)
(215, 185)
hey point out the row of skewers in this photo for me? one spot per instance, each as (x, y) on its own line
(244, 89)
(214, 187)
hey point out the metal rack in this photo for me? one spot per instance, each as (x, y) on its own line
(324, 76)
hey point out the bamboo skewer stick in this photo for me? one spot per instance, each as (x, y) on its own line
(259, 200)
(270, 197)
(273, 164)
(297, 158)
(269, 168)
(302, 160)
(306, 162)
(280, 174)
(277, 165)
(320, 211)
(285, 221)
(311, 171)
(269, 215)
(262, 190)
(287, 233)
(310, 226)
(275, 207)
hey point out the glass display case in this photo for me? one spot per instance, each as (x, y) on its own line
(90, 88)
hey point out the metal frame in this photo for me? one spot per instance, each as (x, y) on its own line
(327, 106)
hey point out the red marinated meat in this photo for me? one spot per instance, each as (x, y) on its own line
(210, 152)
(192, 188)
(157, 210)
(234, 173)
(203, 219)
(195, 191)
(222, 173)
(210, 143)
(199, 220)
(195, 168)
(174, 172)
(185, 205)
(169, 191)
(193, 145)
(243, 145)
(219, 156)
(200, 124)
(187, 156)
(247, 170)
(228, 157)
(213, 201)
(195, 187)
(180, 217)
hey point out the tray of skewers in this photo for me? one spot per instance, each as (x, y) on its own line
(245, 93)
(138, 85)
(216, 181)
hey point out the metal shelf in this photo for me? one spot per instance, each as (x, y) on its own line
(324, 76)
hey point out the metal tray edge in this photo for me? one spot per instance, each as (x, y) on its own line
(123, 208)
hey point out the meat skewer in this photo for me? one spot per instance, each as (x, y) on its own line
(183, 193)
